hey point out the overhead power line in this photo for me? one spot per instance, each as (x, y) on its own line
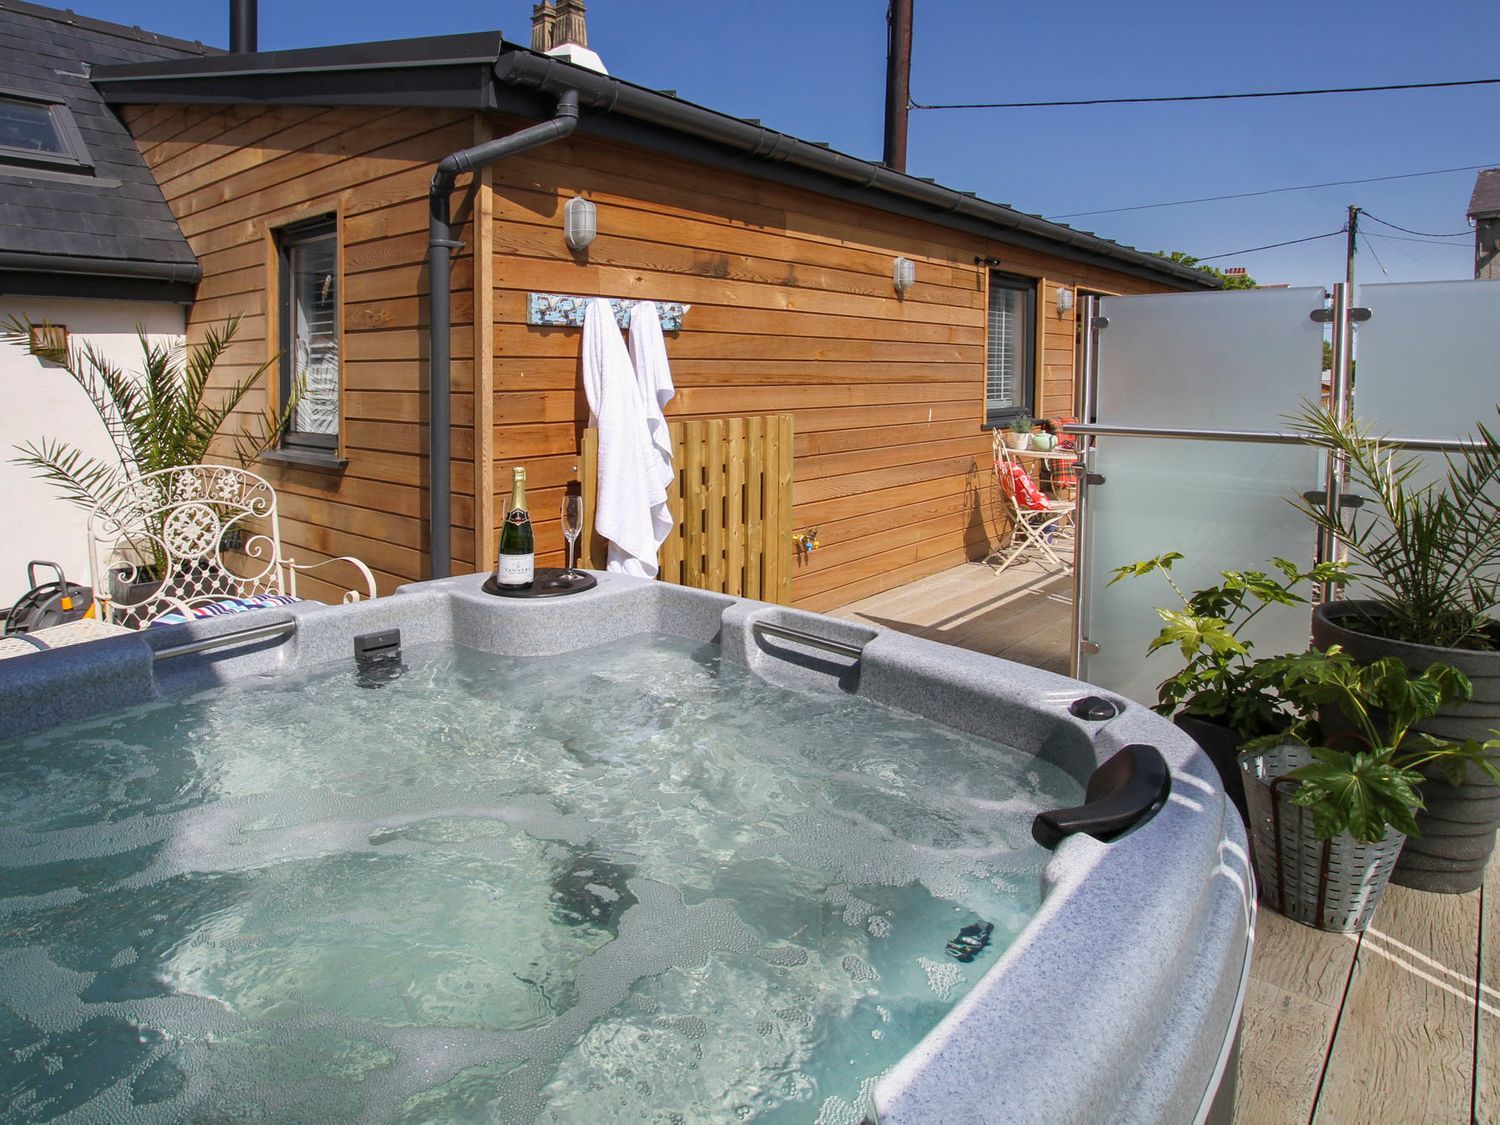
(1274, 245)
(1272, 191)
(1423, 241)
(1213, 97)
(1371, 248)
(1419, 233)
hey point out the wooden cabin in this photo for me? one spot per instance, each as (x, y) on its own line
(313, 167)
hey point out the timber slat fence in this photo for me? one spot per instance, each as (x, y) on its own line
(731, 502)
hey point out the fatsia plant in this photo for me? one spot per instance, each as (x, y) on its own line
(1369, 776)
(1221, 681)
(1430, 551)
(164, 416)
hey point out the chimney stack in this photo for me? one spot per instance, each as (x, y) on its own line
(558, 29)
(543, 21)
(570, 25)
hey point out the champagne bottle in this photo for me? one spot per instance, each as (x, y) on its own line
(516, 565)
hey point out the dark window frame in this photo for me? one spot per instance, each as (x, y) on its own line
(287, 238)
(1028, 287)
(75, 159)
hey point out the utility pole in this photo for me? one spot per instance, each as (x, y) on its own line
(897, 83)
(1353, 229)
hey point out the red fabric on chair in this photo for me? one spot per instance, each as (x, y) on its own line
(1027, 494)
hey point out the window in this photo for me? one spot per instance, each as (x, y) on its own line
(1010, 349)
(40, 133)
(309, 314)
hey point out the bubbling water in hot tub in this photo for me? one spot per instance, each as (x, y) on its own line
(628, 881)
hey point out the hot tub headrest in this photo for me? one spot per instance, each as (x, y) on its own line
(1124, 792)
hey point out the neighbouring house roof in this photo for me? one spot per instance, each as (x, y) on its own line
(84, 217)
(481, 71)
(1486, 198)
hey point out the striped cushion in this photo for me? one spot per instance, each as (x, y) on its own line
(225, 607)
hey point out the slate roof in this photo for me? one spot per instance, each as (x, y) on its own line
(1486, 197)
(59, 225)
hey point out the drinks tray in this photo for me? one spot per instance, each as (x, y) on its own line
(548, 583)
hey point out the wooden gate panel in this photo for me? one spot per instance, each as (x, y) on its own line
(731, 502)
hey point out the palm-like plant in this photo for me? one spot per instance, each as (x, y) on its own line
(163, 417)
(1430, 551)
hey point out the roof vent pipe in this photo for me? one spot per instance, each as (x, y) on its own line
(440, 247)
(243, 27)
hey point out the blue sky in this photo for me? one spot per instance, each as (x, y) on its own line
(817, 70)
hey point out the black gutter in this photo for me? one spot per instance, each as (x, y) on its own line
(440, 247)
(610, 95)
(189, 273)
(27, 284)
(436, 50)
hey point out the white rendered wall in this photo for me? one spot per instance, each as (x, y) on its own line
(39, 399)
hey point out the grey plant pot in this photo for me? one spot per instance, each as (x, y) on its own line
(1458, 825)
(1222, 746)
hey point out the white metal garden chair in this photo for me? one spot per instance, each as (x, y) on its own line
(1041, 534)
(178, 539)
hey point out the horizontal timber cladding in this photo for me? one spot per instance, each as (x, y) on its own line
(793, 311)
(232, 175)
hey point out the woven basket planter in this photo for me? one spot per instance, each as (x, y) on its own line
(1458, 825)
(1330, 885)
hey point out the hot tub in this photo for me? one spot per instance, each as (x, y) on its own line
(182, 932)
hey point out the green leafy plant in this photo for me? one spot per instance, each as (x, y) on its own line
(1368, 777)
(165, 416)
(1431, 552)
(1021, 424)
(1222, 681)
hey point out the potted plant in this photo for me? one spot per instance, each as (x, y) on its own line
(1332, 803)
(1429, 555)
(1018, 434)
(1223, 697)
(165, 416)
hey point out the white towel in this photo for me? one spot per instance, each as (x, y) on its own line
(630, 483)
(648, 353)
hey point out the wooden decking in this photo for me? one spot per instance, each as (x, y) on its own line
(1399, 1025)
(1024, 614)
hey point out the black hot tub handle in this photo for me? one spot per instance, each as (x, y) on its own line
(1124, 792)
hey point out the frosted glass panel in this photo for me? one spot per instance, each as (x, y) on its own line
(1228, 361)
(1426, 364)
(1222, 505)
(1222, 361)
(1428, 359)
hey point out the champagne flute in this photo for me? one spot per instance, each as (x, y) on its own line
(572, 527)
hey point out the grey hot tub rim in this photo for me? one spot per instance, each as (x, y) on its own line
(1118, 1001)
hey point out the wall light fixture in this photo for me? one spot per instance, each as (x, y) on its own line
(580, 222)
(903, 274)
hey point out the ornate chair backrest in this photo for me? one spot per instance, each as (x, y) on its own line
(158, 544)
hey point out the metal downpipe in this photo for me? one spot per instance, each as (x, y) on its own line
(440, 247)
